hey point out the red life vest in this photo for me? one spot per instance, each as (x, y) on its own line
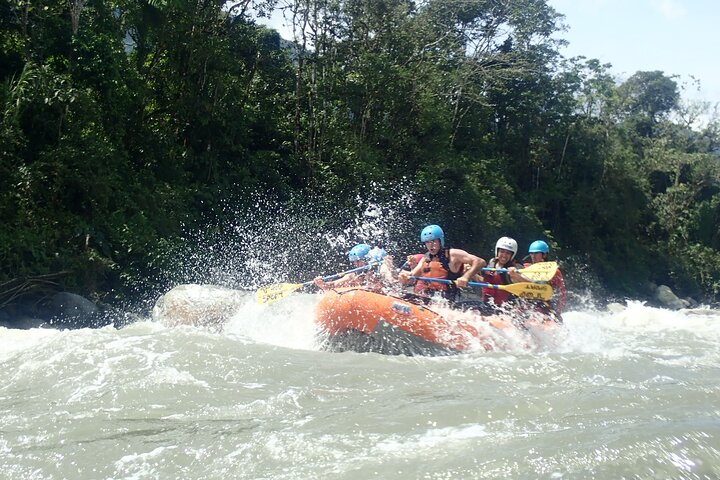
(497, 278)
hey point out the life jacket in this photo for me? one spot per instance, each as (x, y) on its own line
(497, 278)
(437, 266)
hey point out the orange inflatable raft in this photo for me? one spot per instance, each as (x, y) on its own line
(363, 321)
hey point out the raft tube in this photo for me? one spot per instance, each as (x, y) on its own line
(355, 319)
(363, 321)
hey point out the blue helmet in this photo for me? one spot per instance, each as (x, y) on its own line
(432, 232)
(376, 254)
(359, 252)
(538, 246)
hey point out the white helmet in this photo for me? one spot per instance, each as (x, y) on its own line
(507, 243)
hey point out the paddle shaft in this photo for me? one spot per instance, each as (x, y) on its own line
(499, 270)
(277, 291)
(470, 284)
(523, 289)
(335, 276)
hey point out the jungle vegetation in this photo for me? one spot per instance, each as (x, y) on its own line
(126, 122)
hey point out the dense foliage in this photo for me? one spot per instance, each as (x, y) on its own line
(126, 122)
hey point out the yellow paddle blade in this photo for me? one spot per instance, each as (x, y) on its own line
(536, 291)
(275, 292)
(540, 272)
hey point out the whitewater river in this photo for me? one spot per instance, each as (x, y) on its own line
(631, 393)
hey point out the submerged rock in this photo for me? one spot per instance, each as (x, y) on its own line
(68, 310)
(61, 310)
(665, 296)
(615, 307)
(198, 305)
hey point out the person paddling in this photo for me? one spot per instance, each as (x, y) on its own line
(539, 251)
(442, 263)
(360, 255)
(505, 251)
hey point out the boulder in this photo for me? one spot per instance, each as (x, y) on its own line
(665, 296)
(22, 322)
(198, 305)
(68, 310)
(692, 303)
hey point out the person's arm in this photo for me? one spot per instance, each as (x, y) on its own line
(458, 258)
(335, 283)
(516, 275)
(388, 273)
(320, 283)
(413, 260)
(404, 275)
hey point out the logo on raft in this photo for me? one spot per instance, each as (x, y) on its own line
(401, 308)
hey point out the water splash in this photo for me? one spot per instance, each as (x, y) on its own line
(287, 240)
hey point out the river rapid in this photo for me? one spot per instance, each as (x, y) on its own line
(630, 392)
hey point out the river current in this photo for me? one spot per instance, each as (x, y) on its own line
(631, 392)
